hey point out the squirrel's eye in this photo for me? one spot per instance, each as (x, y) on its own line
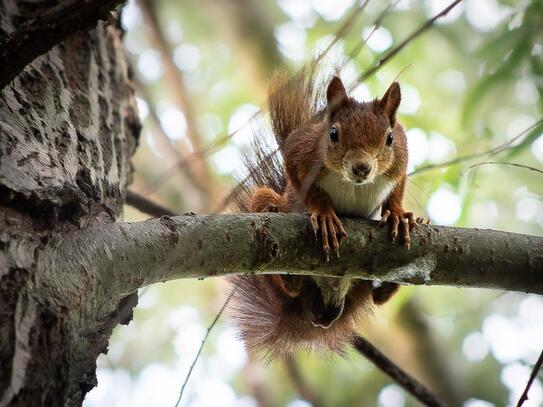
(334, 135)
(390, 138)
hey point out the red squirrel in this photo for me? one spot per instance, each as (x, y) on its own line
(338, 158)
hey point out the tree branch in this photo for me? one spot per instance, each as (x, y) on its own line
(533, 375)
(126, 256)
(493, 151)
(415, 388)
(526, 167)
(438, 370)
(146, 205)
(38, 35)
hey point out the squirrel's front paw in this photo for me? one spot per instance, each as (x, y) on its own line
(331, 229)
(407, 220)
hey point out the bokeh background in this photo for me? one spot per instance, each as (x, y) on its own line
(471, 84)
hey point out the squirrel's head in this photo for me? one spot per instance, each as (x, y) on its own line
(279, 314)
(363, 140)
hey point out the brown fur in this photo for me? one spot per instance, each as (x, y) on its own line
(362, 133)
(275, 324)
(275, 312)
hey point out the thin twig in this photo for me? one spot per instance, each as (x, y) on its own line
(469, 157)
(407, 382)
(147, 206)
(209, 329)
(375, 26)
(164, 143)
(382, 60)
(527, 167)
(535, 371)
(343, 30)
(214, 146)
(399, 74)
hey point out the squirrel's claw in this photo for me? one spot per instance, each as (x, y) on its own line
(410, 217)
(384, 218)
(422, 220)
(324, 235)
(395, 219)
(331, 231)
(333, 234)
(314, 222)
(272, 208)
(341, 232)
(405, 231)
(408, 223)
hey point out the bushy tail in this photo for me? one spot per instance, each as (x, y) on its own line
(264, 167)
(293, 100)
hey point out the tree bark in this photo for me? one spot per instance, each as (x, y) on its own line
(40, 29)
(68, 127)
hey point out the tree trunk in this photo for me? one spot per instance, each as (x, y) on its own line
(68, 127)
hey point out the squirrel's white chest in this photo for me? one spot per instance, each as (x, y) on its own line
(356, 200)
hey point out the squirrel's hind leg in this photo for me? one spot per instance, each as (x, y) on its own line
(265, 199)
(382, 293)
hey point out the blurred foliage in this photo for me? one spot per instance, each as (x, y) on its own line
(471, 83)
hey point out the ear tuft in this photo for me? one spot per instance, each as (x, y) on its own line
(336, 95)
(390, 102)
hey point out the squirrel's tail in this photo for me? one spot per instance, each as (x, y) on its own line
(293, 99)
(264, 167)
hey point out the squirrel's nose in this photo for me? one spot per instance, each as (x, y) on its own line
(361, 169)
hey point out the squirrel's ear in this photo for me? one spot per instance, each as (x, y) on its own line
(336, 95)
(390, 102)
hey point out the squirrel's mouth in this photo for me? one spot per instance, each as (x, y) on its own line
(358, 181)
